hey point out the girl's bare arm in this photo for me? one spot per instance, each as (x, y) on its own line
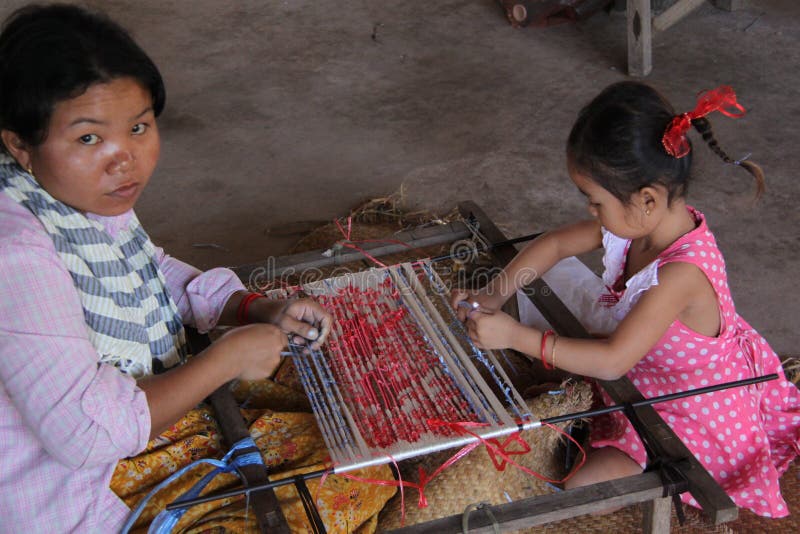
(534, 260)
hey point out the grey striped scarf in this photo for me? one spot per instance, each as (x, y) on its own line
(131, 319)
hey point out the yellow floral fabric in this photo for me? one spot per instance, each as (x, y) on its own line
(290, 443)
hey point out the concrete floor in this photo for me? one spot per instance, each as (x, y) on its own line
(283, 113)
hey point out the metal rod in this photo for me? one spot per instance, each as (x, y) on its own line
(512, 241)
(661, 398)
(550, 420)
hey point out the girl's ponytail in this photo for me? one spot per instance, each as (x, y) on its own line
(703, 126)
(723, 100)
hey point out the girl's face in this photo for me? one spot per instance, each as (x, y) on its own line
(623, 220)
(100, 149)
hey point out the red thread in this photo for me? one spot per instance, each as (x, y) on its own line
(386, 369)
(348, 243)
(500, 465)
(494, 447)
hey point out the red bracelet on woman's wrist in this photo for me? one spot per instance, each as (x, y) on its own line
(244, 304)
(545, 335)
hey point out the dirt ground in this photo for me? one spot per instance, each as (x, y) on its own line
(281, 115)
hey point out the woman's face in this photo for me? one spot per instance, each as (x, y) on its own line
(100, 150)
(623, 220)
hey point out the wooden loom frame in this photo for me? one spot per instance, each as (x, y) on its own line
(649, 487)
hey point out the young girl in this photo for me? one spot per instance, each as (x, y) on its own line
(93, 359)
(663, 305)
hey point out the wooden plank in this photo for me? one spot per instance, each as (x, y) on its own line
(640, 38)
(675, 13)
(265, 503)
(711, 497)
(543, 509)
(656, 516)
(259, 274)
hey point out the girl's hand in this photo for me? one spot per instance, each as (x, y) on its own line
(308, 320)
(492, 330)
(254, 349)
(465, 302)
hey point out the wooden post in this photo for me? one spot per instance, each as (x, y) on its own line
(656, 516)
(640, 38)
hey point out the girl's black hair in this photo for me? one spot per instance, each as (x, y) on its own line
(617, 142)
(50, 53)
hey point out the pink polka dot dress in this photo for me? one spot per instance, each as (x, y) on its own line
(745, 437)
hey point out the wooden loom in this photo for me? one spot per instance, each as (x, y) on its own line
(654, 488)
(378, 399)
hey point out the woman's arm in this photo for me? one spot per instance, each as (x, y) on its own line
(303, 317)
(212, 298)
(250, 352)
(201, 297)
(606, 359)
(533, 261)
(82, 412)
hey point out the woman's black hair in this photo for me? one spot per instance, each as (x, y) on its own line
(617, 142)
(50, 53)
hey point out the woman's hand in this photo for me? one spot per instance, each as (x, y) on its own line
(493, 330)
(254, 350)
(250, 352)
(308, 320)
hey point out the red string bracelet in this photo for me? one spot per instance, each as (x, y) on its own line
(241, 312)
(545, 335)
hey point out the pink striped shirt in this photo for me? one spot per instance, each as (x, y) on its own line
(65, 419)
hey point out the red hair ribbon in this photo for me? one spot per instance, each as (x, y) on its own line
(721, 99)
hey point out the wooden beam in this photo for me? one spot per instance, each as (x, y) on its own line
(543, 509)
(675, 13)
(640, 38)
(656, 516)
(271, 268)
(711, 497)
(265, 504)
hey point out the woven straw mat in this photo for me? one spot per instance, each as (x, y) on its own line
(474, 479)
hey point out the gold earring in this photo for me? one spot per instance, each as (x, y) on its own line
(30, 171)
(647, 212)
